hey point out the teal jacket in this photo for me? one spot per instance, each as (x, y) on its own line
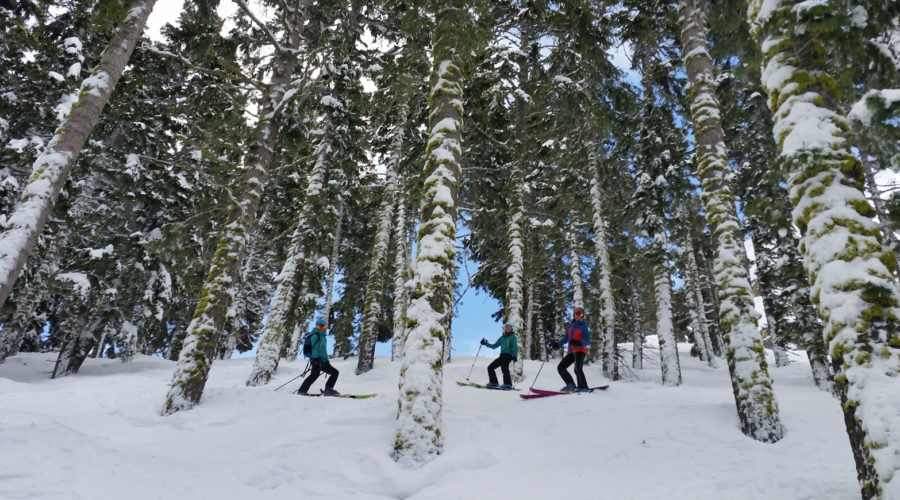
(507, 344)
(319, 344)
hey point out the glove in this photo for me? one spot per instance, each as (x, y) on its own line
(576, 343)
(484, 342)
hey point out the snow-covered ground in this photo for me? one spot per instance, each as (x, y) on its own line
(98, 435)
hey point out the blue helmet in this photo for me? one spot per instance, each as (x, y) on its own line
(508, 326)
(320, 321)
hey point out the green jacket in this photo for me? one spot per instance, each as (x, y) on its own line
(507, 343)
(319, 344)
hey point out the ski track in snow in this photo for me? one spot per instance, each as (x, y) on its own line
(98, 435)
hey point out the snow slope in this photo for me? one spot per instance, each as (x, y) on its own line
(98, 435)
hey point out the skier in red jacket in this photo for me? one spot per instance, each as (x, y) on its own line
(578, 337)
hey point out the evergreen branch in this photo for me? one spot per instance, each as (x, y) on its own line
(486, 136)
(468, 284)
(264, 28)
(201, 69)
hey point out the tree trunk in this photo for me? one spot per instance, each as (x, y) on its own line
(401, 274)
(710, 303)
(514, 274)
(22, 322)
(754, 397)
(201, 338)
(665, 327)
(694, 313)
(776, 337)
(515, 231)
(575, 263)
(541, 344)
(448, 342)
(695, 299)
(78, 341)
(559, 304)
(375, 283)
(637, 335)
(607, 316)
(332, 265)
(240, 305)
(528, 331)
(418, 437)
(851, 272)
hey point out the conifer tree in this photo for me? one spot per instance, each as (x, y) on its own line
(372, 307)
(52, 167)
(656, 168)
(850, 271)
(750, 380)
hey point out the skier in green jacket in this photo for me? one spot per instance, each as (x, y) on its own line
(319, 362)
(509, 351)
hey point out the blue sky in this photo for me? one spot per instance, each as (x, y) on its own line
(473, 321)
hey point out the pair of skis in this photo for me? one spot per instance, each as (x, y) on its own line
(348, 396)
(543, 393)
(482, 386)
(535, 393)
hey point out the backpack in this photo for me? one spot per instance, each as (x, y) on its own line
(307, 346)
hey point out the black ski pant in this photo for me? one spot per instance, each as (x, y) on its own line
(317, 366)
(503, 363)
(563, 369)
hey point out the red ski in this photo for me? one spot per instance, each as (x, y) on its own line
(543, 393)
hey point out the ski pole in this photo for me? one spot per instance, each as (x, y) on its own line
(546, 358)
(538, 373)
(295, 378)
(473, 363)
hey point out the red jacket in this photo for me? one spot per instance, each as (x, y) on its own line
(578, 330)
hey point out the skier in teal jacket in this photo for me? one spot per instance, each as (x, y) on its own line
(509, 352)
(318, 362)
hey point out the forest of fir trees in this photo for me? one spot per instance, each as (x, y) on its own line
(212, 191)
